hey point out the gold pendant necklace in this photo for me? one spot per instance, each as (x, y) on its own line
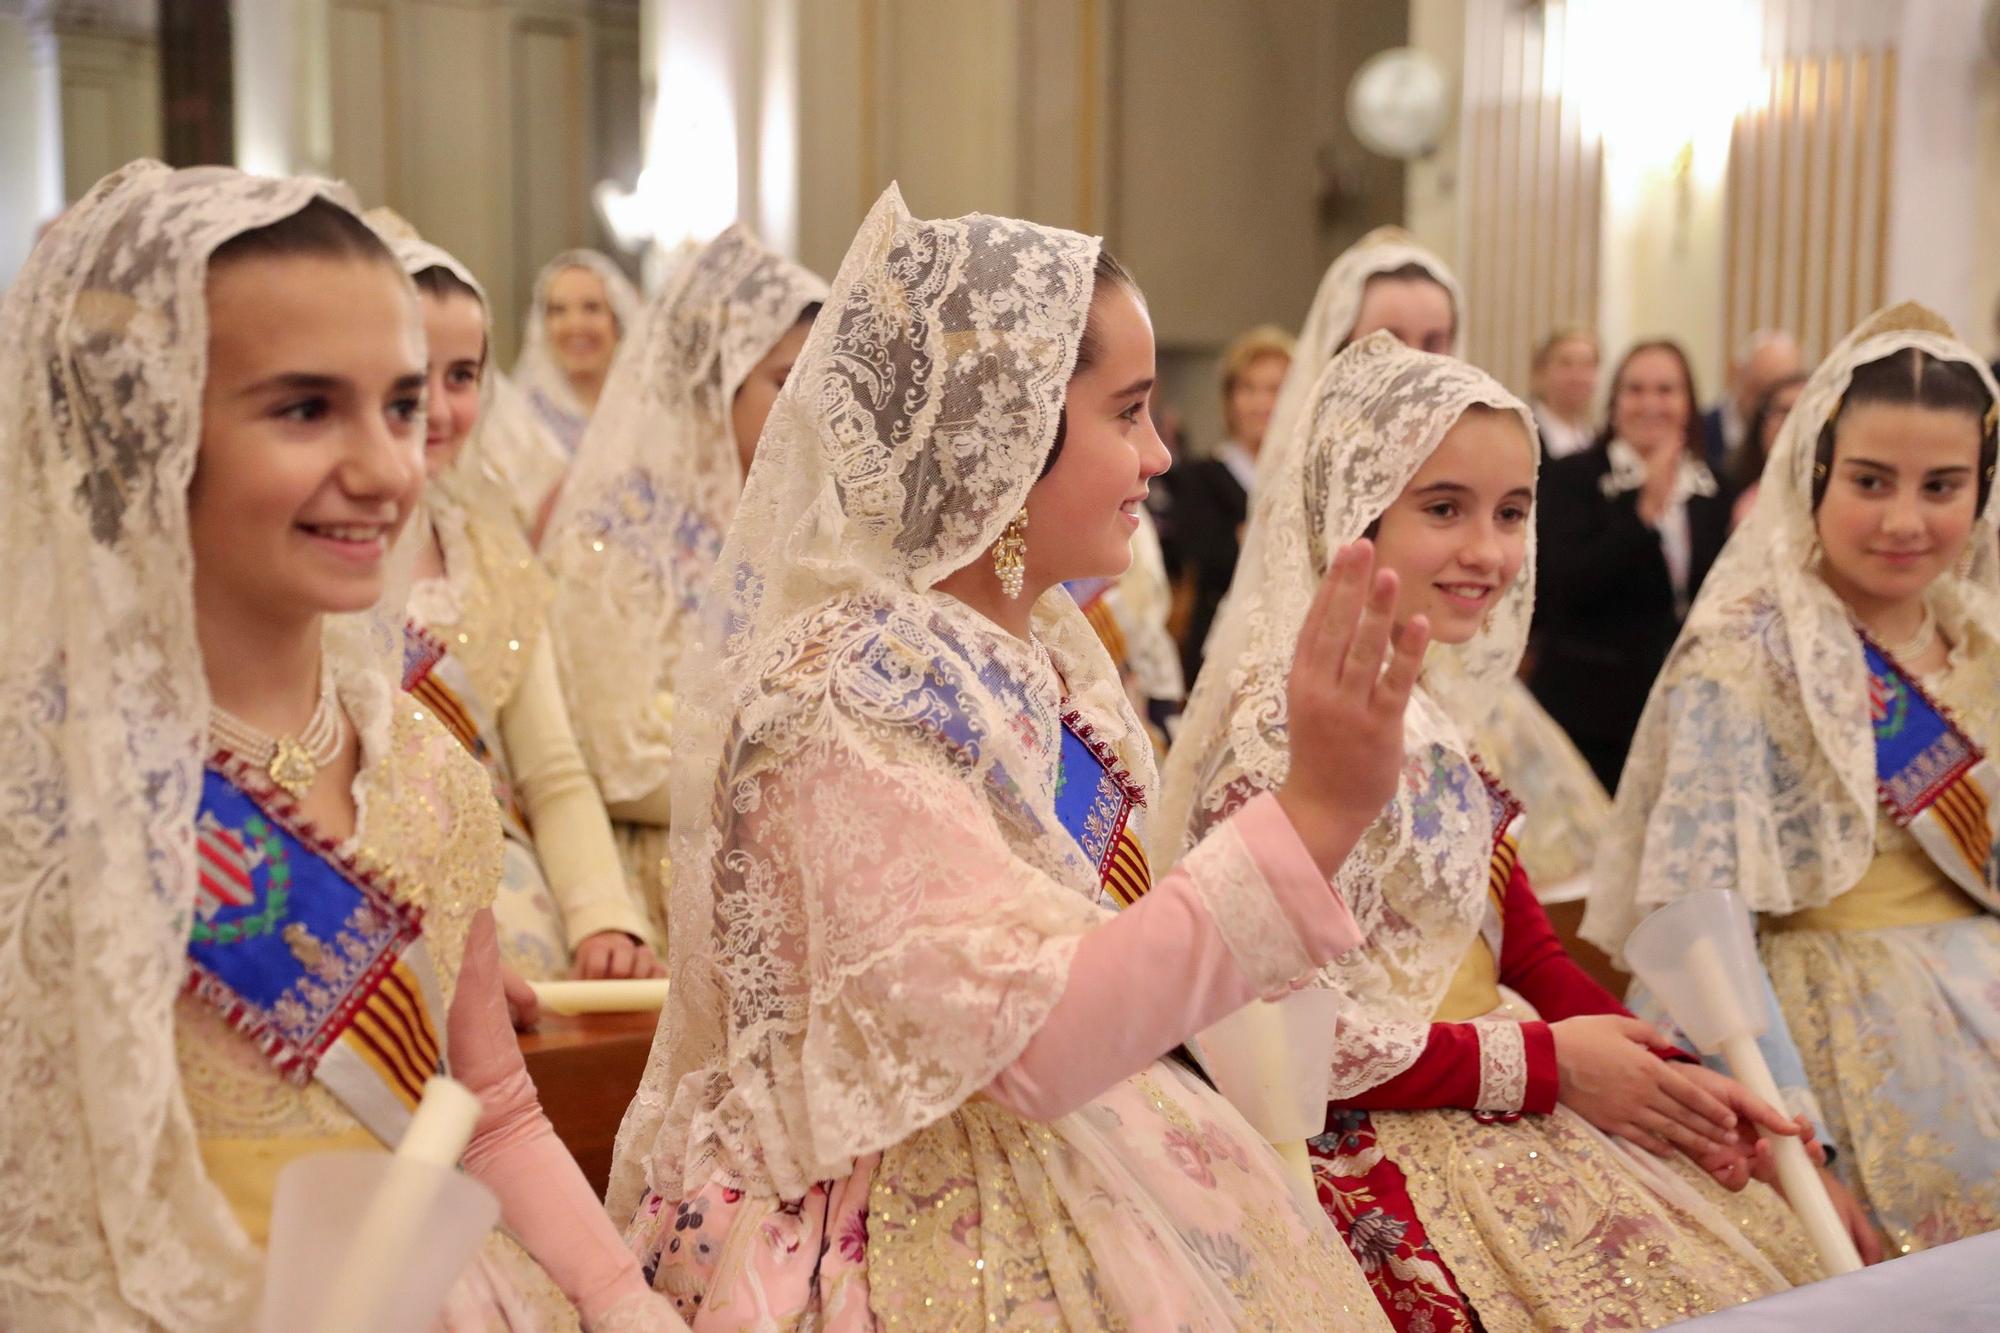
(292, 762)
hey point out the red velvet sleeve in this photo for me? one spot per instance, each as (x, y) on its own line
(1446, 1075)
(1534, 963)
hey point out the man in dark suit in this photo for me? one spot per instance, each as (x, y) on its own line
(1760, 361)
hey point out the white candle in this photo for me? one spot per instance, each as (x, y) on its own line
(601, 997)
(1804, 1190)
(389, 1237)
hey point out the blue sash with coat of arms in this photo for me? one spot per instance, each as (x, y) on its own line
(1934, 780)
(307, 955)
(1095, 798)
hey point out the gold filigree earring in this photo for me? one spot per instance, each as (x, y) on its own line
(1010, 555)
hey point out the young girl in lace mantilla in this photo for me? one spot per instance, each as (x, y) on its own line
(911, 1068)
(1482, 1082)
(244, 882)
(1818, 742)
(1387, 281)
(633, 541)
(481, 656)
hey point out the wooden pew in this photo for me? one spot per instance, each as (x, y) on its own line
(586, 1068)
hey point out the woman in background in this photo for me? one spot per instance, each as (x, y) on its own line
(633, 544)
(1562, 383)
(582, 305)
(1631, 526)
(1211, 496)
(1817, 743)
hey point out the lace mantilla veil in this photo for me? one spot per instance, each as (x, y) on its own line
(498, 592)
(874, 906)
(1754, 764)
(517, 461)
(1330, 321)
(1417, 881)
(654, 486)
(536, 370)
(109, 1218)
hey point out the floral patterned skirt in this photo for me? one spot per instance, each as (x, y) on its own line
(1539, 1222)
(1154, 1206)
(1899, 1031)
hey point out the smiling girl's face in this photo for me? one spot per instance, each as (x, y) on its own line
(312, 434)
(1458, 533)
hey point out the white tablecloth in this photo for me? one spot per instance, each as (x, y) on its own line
(1953, 1287)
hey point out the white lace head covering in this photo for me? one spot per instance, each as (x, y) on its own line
(1417, 881)
(874, 905)
(536, 369)
(651, 493)
(498, 593)
(104, 338)
(513, 457)
(1753, 767)
(1330, 323)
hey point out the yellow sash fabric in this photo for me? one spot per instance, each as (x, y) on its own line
(246, 1169)
(1902, 886)
(1474, 989)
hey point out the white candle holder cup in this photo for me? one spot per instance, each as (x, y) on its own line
(1274, 1062)
(1699, 958)
(317, 1218)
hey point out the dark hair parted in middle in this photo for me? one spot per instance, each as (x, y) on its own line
(1912, 377)
(1107, 273)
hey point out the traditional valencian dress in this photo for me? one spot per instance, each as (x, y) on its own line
(1786, 756)
(1513, 733)
(479, 655)
(539, 372)
(200, 987)
(1465, 1191)
(632, 544)
(883, 1091)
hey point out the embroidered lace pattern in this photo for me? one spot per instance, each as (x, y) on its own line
(1417, 881)
(1754, 763)
(1503, 1064)
(634, 539)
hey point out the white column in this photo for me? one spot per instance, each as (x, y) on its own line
(774, 202)
(281, 61)
(30, 138)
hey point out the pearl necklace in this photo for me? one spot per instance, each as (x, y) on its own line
(292, 762)
(1918, 643)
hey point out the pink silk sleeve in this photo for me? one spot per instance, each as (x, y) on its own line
(1165, 968)
(544, 1199)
